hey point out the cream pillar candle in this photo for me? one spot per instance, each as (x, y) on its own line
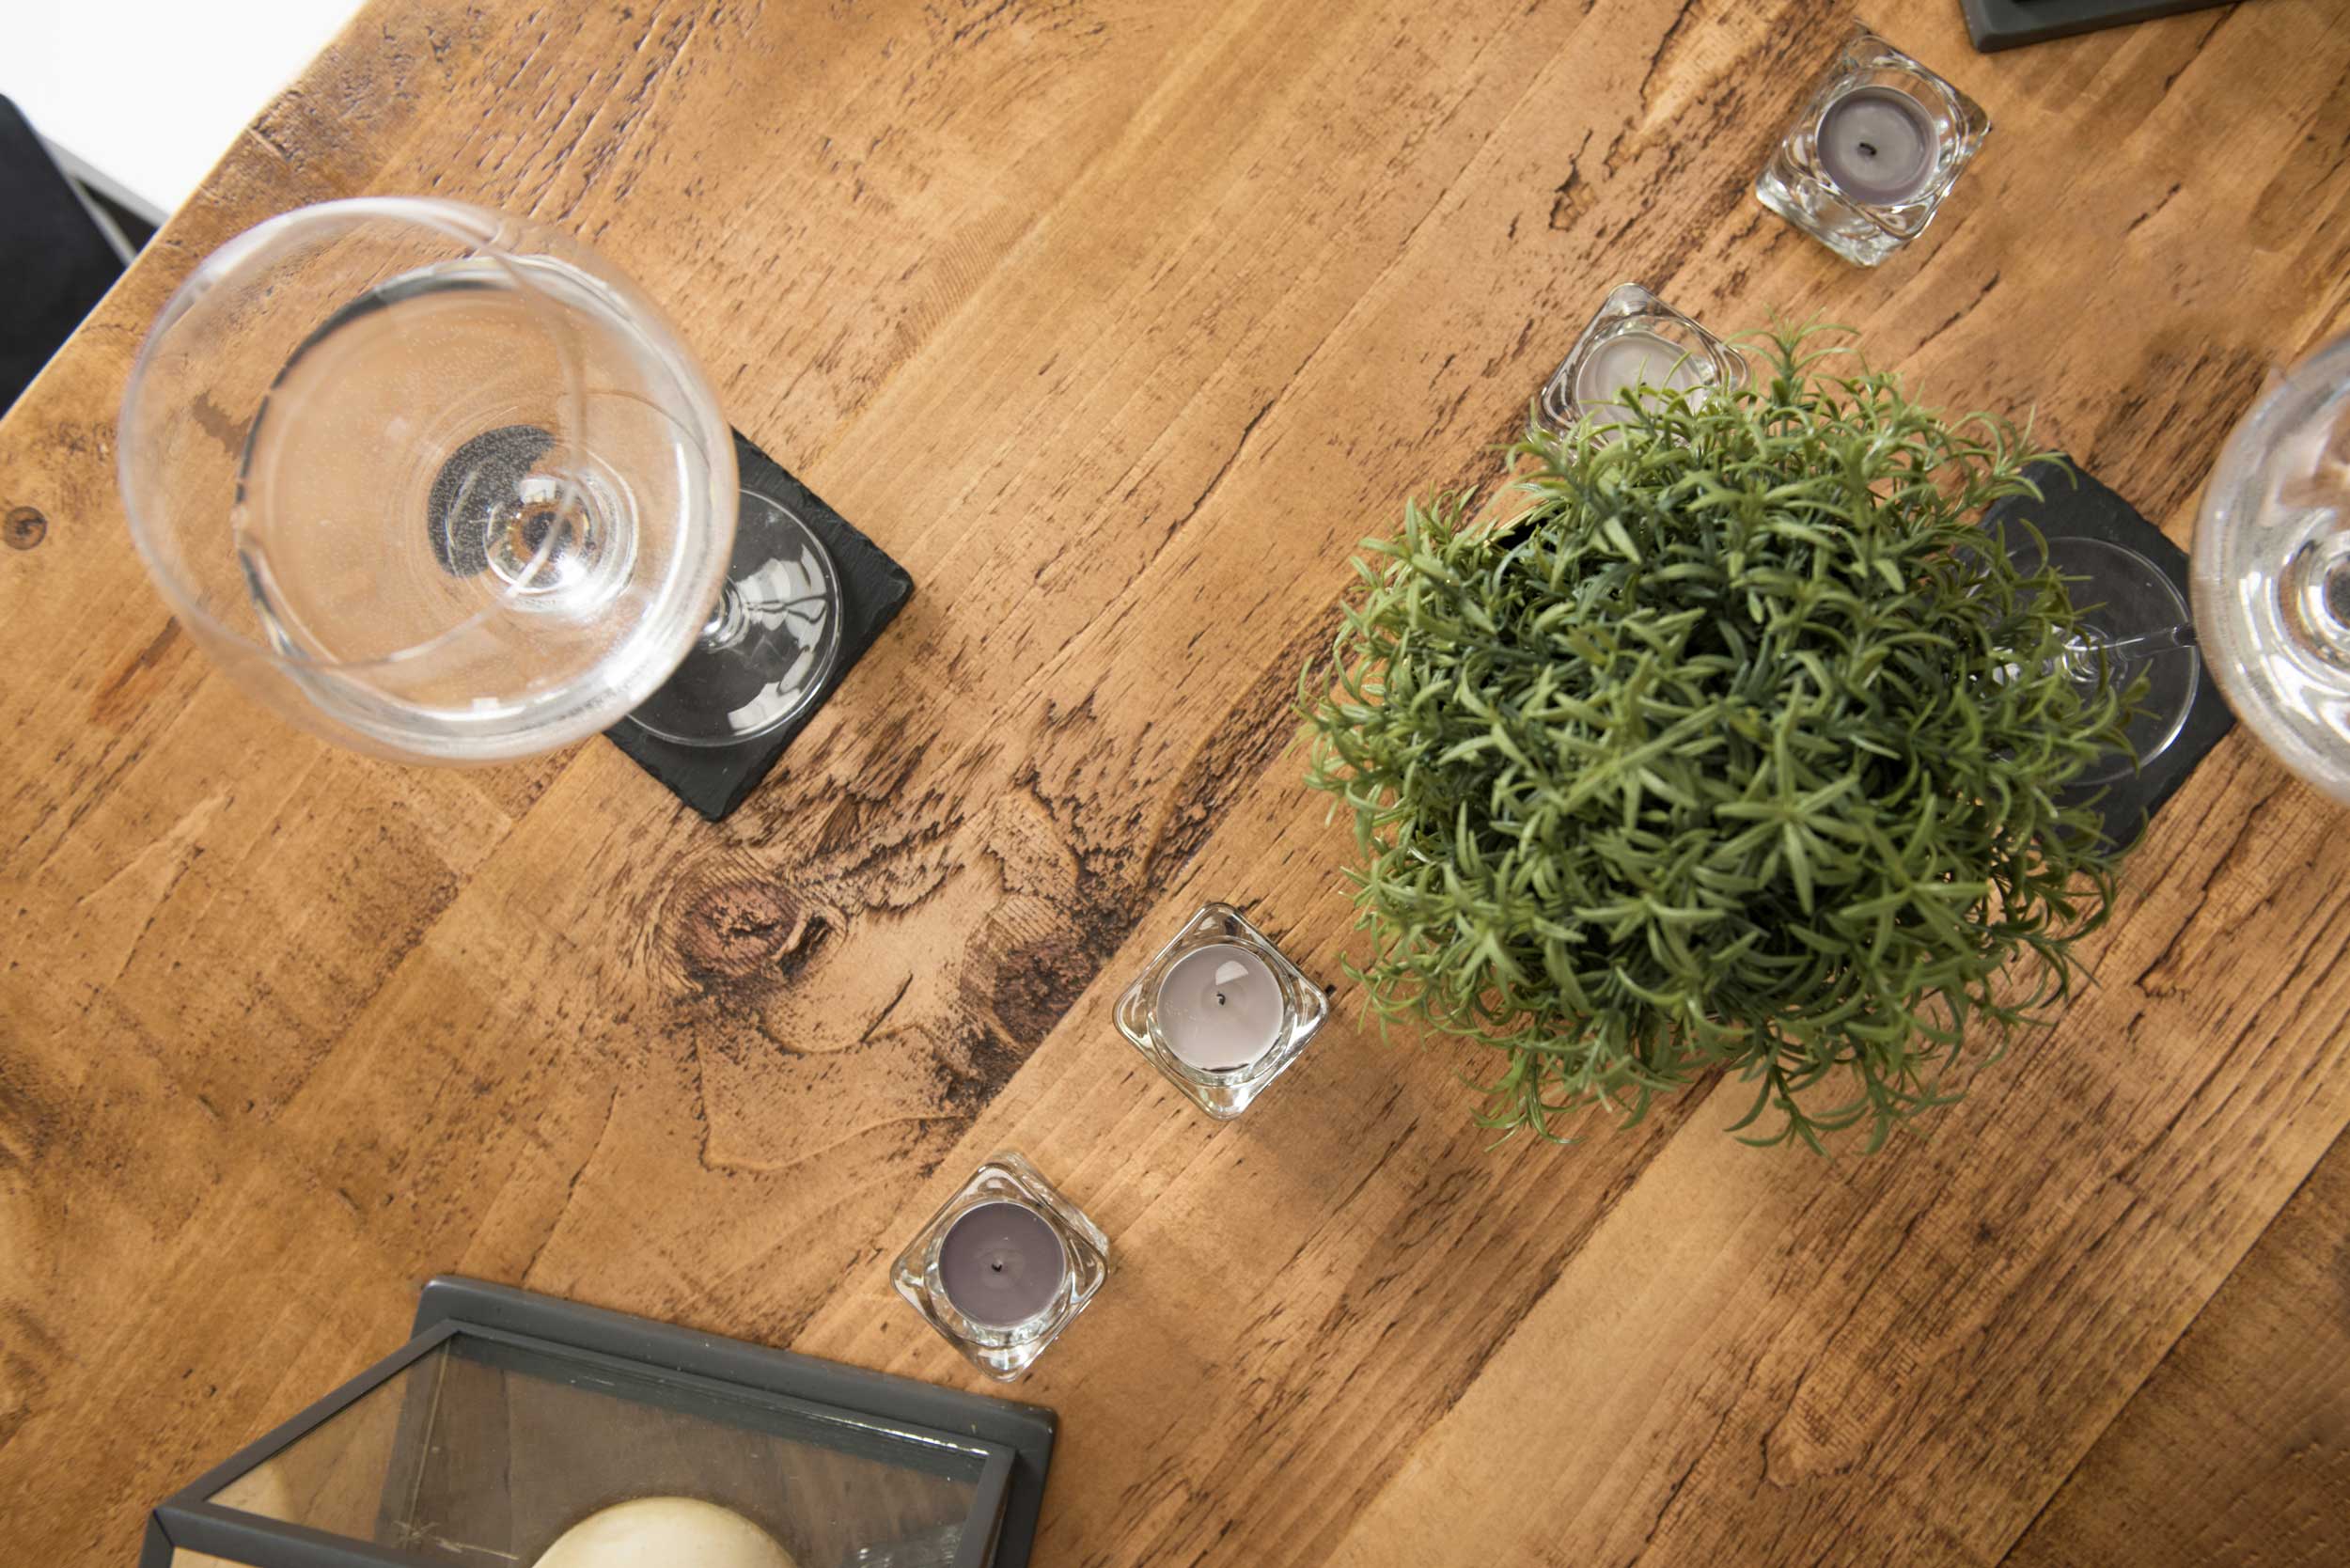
(665, 1532)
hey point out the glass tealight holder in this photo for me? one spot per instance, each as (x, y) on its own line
(1635, 340)
(1221, 1011)
(1003, 1267)
(1874, 151)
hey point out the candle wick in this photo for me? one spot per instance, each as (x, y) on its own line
(1867, 149)
(1219, 998)
(997, 1266)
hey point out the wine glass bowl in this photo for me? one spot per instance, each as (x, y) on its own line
(436, 482)
(2272, 569)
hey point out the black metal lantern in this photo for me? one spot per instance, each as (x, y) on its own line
(516, 1429)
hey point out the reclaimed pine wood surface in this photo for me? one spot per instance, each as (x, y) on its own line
(1119, 322)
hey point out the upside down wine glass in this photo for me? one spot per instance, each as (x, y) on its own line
(442, 486)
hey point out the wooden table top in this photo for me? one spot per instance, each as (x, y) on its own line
(1119, 322)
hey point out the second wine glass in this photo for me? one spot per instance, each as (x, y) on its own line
(444, 486)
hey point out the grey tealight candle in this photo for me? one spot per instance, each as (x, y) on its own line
(1220, 1008)
(1633, 357)
(1004, 1266)
(1878, 145)
(1000, 1265)
(1220, 1011)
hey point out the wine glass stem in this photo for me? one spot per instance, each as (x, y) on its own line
(2162, 641)
(727, 620)
(2080, 656)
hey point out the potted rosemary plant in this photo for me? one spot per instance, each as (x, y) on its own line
(1736, 747)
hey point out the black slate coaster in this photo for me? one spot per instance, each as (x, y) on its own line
(713, 781)
(2077, 506)
(2005, 24)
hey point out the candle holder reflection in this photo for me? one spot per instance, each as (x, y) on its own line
(1221, 1011)
(1874, 152)
(1635, 340)
(1003, 1267)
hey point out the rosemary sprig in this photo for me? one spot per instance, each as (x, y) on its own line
(1737, 747)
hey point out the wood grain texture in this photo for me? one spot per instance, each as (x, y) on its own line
(2237, 1450)
(1118, 321)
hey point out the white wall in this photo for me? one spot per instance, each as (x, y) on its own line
(151, 92)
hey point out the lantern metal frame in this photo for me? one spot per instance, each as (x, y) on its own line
(1013, 1443)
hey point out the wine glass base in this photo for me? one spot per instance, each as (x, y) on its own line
(2122, 594)
(772, 644)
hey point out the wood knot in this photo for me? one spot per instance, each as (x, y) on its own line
(741, 929)
(25, 528)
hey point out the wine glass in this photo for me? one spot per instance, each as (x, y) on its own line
(2271, 571)
(442, 486)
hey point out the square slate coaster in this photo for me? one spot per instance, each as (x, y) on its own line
(2077, 506)
(713, 781)
(2005, 24)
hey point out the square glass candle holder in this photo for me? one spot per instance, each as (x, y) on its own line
(1875, 149)
(1003, 1267)
(1221, 1010)
(1636, 339)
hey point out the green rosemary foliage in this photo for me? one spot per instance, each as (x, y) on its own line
(1739, 748)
